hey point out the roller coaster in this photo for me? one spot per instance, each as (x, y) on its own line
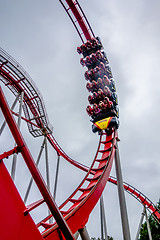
(64, 221)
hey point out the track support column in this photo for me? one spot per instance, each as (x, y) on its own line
(140, 224)
(14, 163)
(148, 225)
(84, 233)
(104, 234)
(122, 202)
(56, 177)
(33, 169)
(13, 105)
(31, 180)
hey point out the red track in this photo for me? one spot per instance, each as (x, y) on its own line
(84, 198)
(140, 197)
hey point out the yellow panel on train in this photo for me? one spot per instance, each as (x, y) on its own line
(103, 124)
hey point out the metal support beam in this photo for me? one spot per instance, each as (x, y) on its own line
(84, 233)
(104, 234)
(148, 225)
(31, 180)
(56, 177)
(76, 235)
(47, 172)
(47, 164)
(122, 202)
(12, 107)
(140, 224)
(33, 169)
(14, 163)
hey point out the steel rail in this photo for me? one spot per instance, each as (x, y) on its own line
(33, 168)
(140, 197)
(80, 18)
(77, 215)
(18, 80)
(90, 190)
(11, 74)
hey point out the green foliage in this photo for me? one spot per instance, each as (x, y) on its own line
(155, 228)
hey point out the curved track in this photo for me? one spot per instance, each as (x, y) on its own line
(77, 215)
(140, 197)
(77, 208)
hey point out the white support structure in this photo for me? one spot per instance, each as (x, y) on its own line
(13, 106)
(13, 170)
(76, 235)
(140, 224)
(104, 234)
(47, 164)
(31, 180)
(148, 225)
(56, 177)
(122, 202)
(84, 233)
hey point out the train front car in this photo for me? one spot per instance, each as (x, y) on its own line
(103, 103)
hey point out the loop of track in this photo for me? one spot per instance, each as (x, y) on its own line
(18, 80)
(75, 217)
(92, 186)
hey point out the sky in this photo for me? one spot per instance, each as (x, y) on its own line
(40, 36)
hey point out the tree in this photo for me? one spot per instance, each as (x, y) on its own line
(155, 228)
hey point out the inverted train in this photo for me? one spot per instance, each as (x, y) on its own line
(103, 101)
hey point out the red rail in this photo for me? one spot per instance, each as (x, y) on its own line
(77, 215)
(17, 80)
(92, 186)
(80, 18)
(33, 168)
(88, 194)
(140, 197)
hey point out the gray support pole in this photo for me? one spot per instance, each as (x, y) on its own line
(101, 216)
(13, 170)
(47, 164)
(31, 180)
(140, 224)
(13, 106)
(76, 235)
(104, 234)
(84, 233)
(56, 177)
(148, 225)
(47, 172)
(122, 202)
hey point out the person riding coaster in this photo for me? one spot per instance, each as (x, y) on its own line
(105, 124)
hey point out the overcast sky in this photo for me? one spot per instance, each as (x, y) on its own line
(40, 36)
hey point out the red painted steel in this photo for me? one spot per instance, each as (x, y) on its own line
(96, 178)
(17, 80)
(9, 153)
(10, 80)
(140, 197)
(77, 215)
(32, 167)
(60, 151)
(79, 18)
(13, 224)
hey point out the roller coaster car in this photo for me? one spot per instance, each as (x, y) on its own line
(105, 124)
(91, 46)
